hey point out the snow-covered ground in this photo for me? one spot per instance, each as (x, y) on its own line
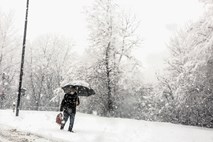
(90, 128)
(12, 135)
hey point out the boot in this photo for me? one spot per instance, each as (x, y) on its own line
(62, 127)
(70, 130)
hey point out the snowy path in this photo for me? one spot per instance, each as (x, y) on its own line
(33, 126)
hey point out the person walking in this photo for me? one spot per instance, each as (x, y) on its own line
(68, 107)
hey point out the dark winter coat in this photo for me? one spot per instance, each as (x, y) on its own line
(69, 102)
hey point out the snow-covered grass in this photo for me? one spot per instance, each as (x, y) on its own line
(90, 128)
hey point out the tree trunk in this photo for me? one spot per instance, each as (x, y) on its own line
(38, 103)
(109, 89)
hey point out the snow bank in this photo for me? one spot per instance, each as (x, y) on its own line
(91, 128)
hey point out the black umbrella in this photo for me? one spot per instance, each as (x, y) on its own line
(81, 90)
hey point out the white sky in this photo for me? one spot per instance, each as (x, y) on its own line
(159, 19)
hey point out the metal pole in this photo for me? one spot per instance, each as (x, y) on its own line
(22, 61)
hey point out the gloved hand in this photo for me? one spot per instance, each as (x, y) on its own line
(61, 109)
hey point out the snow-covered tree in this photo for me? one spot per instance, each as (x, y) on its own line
(207, 1)
(189, 74)
(112, 38)
(8, 59)
(50, 58)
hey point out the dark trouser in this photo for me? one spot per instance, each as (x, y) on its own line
(68, 114)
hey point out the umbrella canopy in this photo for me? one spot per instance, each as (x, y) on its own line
(81, 90)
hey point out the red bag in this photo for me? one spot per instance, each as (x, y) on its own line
(59, 118)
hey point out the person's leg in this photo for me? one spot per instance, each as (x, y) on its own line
(72, 118)
(65, 118)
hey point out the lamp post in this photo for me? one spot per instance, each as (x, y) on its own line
(22, 61)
